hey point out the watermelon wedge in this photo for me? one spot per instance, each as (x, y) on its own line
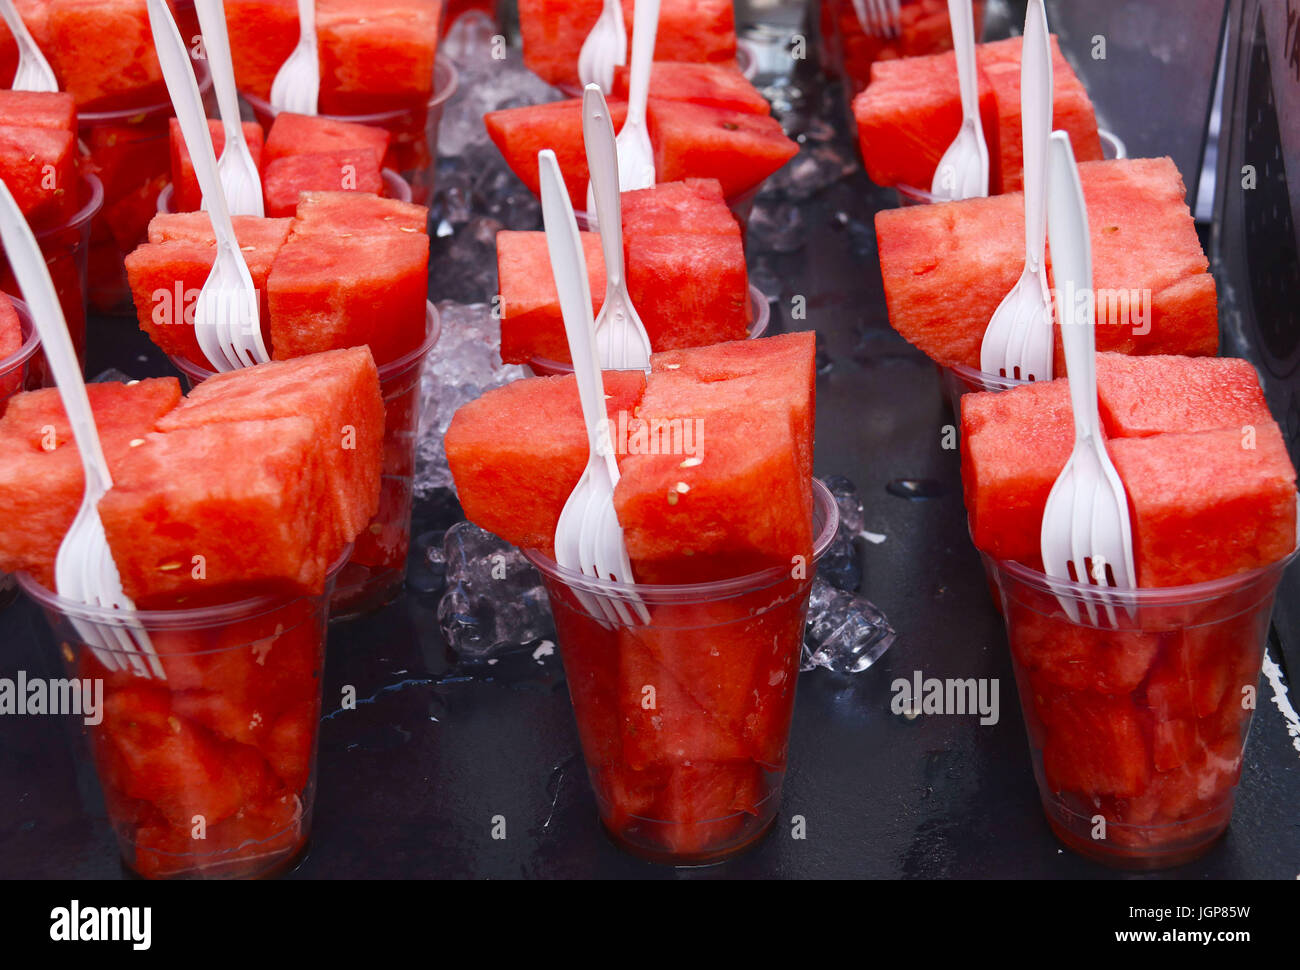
(689, 30)
(102, 52)
(287, 178)
(293, 134)
(1095, 744)
(711, 85)
(38, 154)
(41, 481)
(1196, 394)
(38, 109)
(924, 30)
(738, 149)
(186, 195)
(346, 214)
(531, 323)
(1155, 295)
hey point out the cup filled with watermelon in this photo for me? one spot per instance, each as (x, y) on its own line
(1137, 718)
(231, 516)
(683, 716)
(378, 67)
(686, 274)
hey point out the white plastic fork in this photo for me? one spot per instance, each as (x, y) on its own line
(588, 537)
(621, 339)
(296, 87)
(963, 171)
(239, 176)
(1019, 342)
(636, 157)
(227, 321)
(84, 569)
(34, 73)
(605, 47)
(1087, 537)
(879, 18)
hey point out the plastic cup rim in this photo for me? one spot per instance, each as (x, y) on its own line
(823, 501)
(92, 119)
(31, 339)
(80, 218)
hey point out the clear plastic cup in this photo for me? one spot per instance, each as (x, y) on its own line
(395, 187)
(66, 250)
(130, 149)
(375, 574)
(208, 773)
(685, 722)
(760, 309)
(18, 372)
(1137, 727)
(414, 148)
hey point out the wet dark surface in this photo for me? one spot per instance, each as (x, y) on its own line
(412, 781)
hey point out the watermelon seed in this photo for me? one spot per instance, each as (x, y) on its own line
(672, 366)
(682, 488)
(691, 463)
(169, 567)
(174, 724)
(672, 498)
(731, 126)
(136, 442)
(68, 655)
(132, 383)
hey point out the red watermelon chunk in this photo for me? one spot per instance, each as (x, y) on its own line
(250, 498)
(186, 195)
(263, 33)
(102, 52)
(1095, 744)
(11, 330)
(1080, 658)
(553, 32)
(531, 323)
(287, 178)
(54, 110)
(1209, 504)
(338, 392)
(1196, 394)
(1144, 244)
(39, 167)
(712, 85)
(1072, 110)
(706, 804)
(520, 133)
(41, 482)
(347, 214)
(168, 273)
(740, 150)
(497, 475)
(691, 206)
(327, 293)
(924, 30)
(293, 134)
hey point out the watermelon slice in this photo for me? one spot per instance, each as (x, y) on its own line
(186, 195)
(293, 134)
(39, 167)
(691, 206)
(531, 323)
(712, 85)
(1209, 504)
(911, 111)
(102, 52)
(1197, 394)
(254, 506)
(496, 475)
(287, 178)
(337, 391)
(41, 481)
(520, 133)
(739, 149)
(1147, 260)
(167, 274)
(346, 214)
(689, 30)
(55, 110)
(327, 292)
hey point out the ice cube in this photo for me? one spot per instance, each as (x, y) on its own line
(845, 633)
(841, 566)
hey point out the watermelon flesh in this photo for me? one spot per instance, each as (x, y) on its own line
(41, 483)
(38, 154)
(346, 214)
(287, 178)
(167, 274)
(553, 32)
(293, 134)
(186, 194)
(690, 287)
(1155, 295)
(711, 85)
(737, 148)
(102, 53)
(911, 111)
(924, 30)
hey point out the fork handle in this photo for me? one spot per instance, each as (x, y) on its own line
(1036, 96)
(1067, 225)
(174, 57)
(569, 267)
(962, 21)
(33, 276)
(216, 43)
(307, 22)
(22, 36)
(645, 31)
(602, 161)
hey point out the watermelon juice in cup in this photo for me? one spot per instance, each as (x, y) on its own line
(1137, 728)
(209, 771)
(693, 774)
(413, 151)
(377, 569)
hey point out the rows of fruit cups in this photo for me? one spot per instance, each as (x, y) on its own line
(300, 626)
